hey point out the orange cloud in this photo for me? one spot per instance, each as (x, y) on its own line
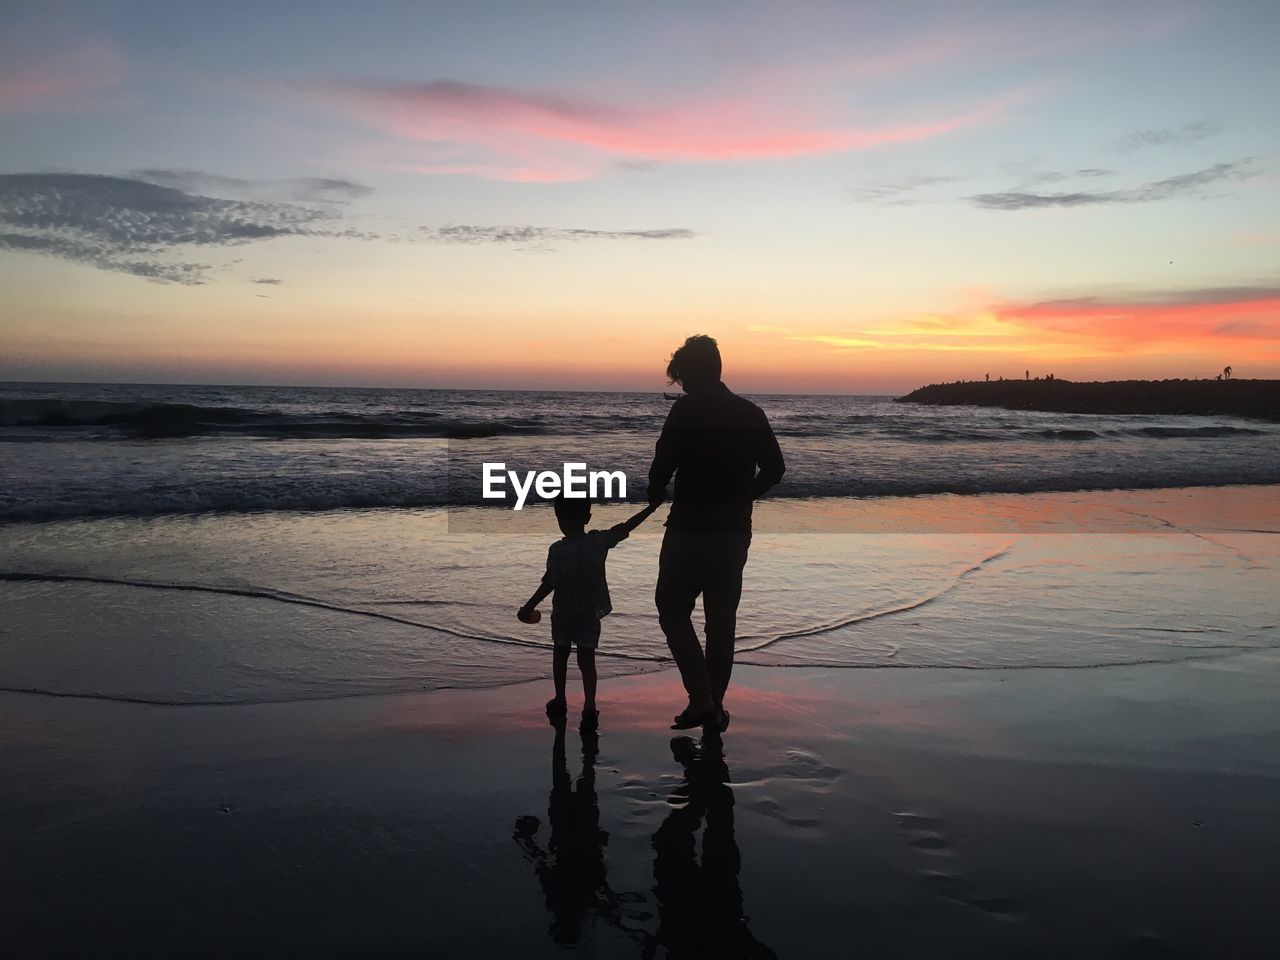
(1127, 325)
(1196, 326)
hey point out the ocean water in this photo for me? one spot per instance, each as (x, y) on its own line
(121, 450)
(201, 545)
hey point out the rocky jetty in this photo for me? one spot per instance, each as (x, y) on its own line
(1259, 399)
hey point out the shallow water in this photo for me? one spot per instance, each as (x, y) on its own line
(285, 606)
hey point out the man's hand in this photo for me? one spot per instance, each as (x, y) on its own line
(528, 614)
(657, 495)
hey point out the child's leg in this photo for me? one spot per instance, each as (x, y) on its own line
(560, 668)
(587, 664)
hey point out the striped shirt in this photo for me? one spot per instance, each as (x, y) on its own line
(575, 572)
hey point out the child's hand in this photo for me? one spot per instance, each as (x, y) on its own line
(528, 615)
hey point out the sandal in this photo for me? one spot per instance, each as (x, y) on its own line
(691, 718)
(590, 720)
(557, 709)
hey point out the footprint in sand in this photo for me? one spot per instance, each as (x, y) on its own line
(962, 891)
(923, 833)
(774, 810)
(642, 798)
(927, 835)
(799, 772)
(802, 765)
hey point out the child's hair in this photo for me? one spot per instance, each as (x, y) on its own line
(572, 509)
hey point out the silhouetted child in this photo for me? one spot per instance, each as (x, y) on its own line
(575, 575)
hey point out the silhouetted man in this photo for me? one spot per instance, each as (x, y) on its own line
(724, 456)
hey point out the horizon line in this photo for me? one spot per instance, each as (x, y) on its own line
(325, 386)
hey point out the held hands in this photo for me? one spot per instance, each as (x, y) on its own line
(527, 614)
(656, 496)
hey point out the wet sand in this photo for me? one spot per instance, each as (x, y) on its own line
(1114, 811)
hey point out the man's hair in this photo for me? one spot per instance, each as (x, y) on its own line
(698, 361)
(573, 509)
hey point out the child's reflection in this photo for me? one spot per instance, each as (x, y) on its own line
(572, 869)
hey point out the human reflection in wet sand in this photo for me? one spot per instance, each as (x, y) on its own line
(700, 910)
(571, 870)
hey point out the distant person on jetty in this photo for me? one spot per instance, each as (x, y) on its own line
(576, 576)
(713, 443)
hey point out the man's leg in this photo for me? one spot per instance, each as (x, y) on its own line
(720, 605)
(679, 583)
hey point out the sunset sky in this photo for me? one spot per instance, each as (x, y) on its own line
(852, 197)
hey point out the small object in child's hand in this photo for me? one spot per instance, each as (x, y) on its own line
(529, 616)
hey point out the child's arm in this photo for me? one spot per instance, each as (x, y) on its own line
(619, 532)
(528, 613)
(639, 518)
(539, 595)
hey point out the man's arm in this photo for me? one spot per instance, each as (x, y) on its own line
(666, 457)
(768, 459)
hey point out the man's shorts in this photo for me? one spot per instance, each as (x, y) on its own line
(584, 638)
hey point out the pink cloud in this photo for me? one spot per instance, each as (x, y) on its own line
(519, 135)
(812, 79)
(62, 81)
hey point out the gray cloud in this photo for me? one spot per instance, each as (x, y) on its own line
(1033, 177)
(467, 234)
(1249, 329)
(98, 255)
(1154, 190)
(296, 189)
(898, 193)
(141, 227)
(636, 166)
(130, 225)
(1167, 136)
(1244, 295)
(915, 190)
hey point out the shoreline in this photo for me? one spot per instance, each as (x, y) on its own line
(533, 520)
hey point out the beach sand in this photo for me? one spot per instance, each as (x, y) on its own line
(1115, 811)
